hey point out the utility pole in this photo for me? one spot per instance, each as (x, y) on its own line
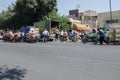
(110, 11)
(78, 7)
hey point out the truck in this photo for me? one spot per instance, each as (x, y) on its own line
(50, 25)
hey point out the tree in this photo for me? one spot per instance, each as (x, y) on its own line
(25, 12)
(45, 7)
(64, 23)
(5, 16)
(29, 11)
(63, 20)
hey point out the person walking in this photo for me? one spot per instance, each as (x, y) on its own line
(57, 33)
(101, 33)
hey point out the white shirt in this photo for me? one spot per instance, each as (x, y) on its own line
(45, 33)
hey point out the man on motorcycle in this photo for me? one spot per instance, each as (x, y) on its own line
(74, 35)
(63, 35)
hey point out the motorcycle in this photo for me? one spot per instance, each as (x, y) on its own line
(63, 38)
(90, 38)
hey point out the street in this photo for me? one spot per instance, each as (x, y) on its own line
(63, 60)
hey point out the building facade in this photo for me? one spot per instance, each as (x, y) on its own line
(89, 17)
(104, 18)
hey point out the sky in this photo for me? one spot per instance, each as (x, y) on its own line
(5, 3)
(65, 5)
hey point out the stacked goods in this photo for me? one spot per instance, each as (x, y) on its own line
(114, 33)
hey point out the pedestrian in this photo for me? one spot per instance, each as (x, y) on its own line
(57, 32)
(101, 33)
(45, 35)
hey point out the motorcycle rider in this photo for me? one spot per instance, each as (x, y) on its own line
(74, 35)
(63, 35)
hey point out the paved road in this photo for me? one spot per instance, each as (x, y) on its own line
(63, 61)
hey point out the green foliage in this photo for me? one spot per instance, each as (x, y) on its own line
(25, 12)
(63, 23)
(5, 16)
(63, 20)
(52, 16)
(45, 7)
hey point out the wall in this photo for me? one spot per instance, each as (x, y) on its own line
(102, 17)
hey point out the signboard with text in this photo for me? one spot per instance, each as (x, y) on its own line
(74, 13)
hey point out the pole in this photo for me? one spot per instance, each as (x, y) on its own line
(78, 7)
(110, 11)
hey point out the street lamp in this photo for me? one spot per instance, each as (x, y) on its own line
(110, 11)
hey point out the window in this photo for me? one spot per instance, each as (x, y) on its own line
(112, 21)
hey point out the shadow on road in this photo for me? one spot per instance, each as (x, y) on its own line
(12, 74)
